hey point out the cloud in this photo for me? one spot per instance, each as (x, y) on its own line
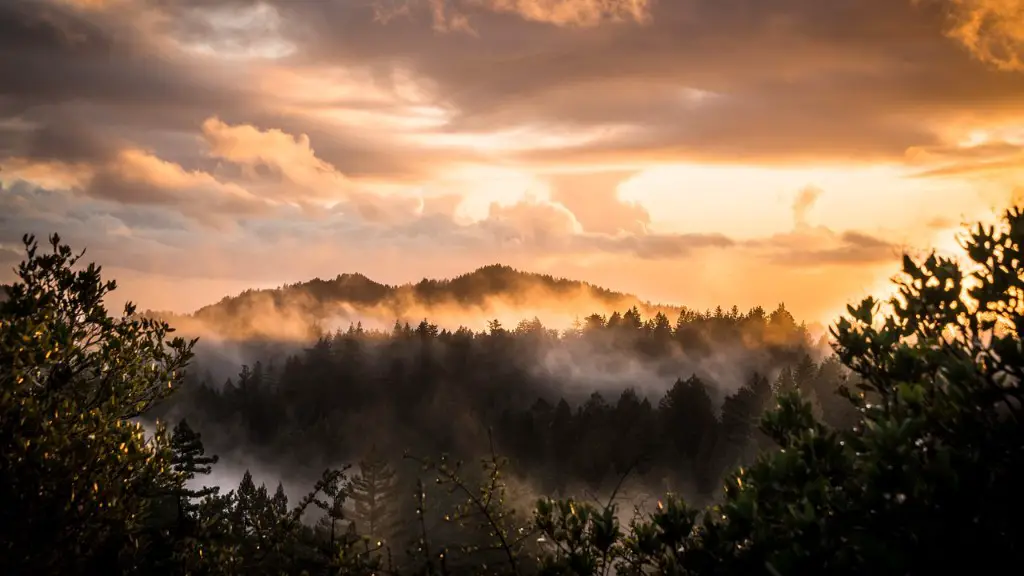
(454, 15)
(290, 157)
(696, 81)
(233, 31)
(664, 246)
(805, 200)
(984, 153)
(992, 30)
(573, 12)
(811, 247)
(783, 92)
(272, 140)
(851, 248)
(593, 198)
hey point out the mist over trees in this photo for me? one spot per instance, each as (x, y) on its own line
(675, 400)
(299, 312)
(901, 454)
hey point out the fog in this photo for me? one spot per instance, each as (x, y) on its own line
(433, 368)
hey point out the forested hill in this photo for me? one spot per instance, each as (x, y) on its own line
(291, 311)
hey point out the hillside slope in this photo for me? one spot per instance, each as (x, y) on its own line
(491, 292)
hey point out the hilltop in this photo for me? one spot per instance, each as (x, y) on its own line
(488, 292)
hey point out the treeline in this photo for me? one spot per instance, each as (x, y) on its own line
(928, 477)
(431, 390)
(296, 309)
(473, 288)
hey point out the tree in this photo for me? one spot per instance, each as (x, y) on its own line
(688, 416)
(84, 490)
(741, 413)
(836, 410)
(80, 478)
(690, 427)
(373, 494)
(188, 460)
(930, 476)
(279, 501)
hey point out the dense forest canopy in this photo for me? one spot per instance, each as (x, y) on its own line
(465, 452)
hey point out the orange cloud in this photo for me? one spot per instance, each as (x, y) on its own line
(595, 200)
(535, 220)
(582, 13)
(993, 30)
(136, 177)
(292, 156)
(804, 202)
(452, 15)
(270, 156)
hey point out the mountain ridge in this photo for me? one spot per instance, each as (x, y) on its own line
(466, 288)
(483, 293)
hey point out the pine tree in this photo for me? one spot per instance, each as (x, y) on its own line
(189, 459)
(280, 501)
(741, 414)
(688, 416)
(803, 375)
(245, 503)
(662, 328)
(373, 493)
(337, 539)
(785, 382)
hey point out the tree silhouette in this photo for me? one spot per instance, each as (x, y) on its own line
(188, 460)
(81, 481)
(373, 493)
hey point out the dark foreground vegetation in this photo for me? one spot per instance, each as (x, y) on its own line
(913, 466)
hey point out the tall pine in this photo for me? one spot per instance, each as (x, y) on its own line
(189, 459)
(373, 492)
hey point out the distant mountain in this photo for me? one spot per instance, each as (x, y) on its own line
(488, 292)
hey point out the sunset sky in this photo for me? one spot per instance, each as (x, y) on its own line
(697, 152)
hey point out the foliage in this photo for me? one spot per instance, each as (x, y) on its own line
(79, 475)
(85, 491)
(928, 479)
(925, 478)
(190, 459)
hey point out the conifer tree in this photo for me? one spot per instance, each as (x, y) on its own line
(279, 501)
(373, 493)
(188, 460)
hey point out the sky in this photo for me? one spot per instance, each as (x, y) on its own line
(695, 152)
